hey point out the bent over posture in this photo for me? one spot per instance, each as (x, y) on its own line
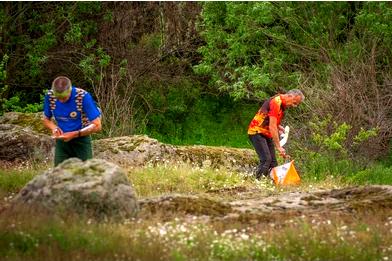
(76, 115)
(265, 126)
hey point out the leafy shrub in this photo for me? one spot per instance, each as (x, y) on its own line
(17, 105)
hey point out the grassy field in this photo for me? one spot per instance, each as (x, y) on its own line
(34, 234)
(70, 238)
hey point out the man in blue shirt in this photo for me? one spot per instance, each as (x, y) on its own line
(76, 115)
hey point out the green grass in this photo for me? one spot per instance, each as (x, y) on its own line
(31, 234)
(14, 180)
(47, 235)
(151, 181)
(318, 169)
(376, 174)
(42, 235)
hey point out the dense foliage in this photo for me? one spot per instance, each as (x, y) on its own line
(195, 73)
(338, 53)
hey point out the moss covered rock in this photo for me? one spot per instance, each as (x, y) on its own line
(31, 120)
(95, 187)
(137, 150)
(346, 201)
(349, 202)
(140, 150)
(174, 205)
(22, 143)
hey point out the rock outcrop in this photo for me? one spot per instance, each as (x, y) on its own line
(141, 150)
(350, 199)
(252, 208)
(22, 143)
(23, 136)
(173, 205)
(31, 120)
(95, 187)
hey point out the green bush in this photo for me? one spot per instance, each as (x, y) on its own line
(318, 167)
(16, 104)
(330, 150)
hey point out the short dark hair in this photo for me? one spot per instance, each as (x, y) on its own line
(61, 84)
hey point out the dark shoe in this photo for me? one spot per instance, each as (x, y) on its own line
(259, 172)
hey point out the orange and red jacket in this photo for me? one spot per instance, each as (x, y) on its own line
(275, 107)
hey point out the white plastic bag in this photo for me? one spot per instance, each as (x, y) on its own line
(284, 136)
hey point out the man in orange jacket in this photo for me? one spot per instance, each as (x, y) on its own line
(265, 126)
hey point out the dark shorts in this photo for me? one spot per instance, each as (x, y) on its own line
(76, 148)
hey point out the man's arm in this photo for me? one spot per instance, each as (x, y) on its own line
(46, 119)
(56, 131)
(273, 128)
(95, 126)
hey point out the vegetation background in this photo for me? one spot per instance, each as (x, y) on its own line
(196, 72)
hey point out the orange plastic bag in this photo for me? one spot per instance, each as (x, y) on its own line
(285, 174)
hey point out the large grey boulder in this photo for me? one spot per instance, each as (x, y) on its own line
(95, 187)
(140, 150)
(22, 143)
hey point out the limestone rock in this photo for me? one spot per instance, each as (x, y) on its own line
(94, 187)
(175, 204)
(255, 208)
(345, 200)
(27, 133)
(22, 143)
(136, 150)
(140, 150)
(31, 120)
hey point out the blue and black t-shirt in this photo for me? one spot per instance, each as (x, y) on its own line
(67, 115)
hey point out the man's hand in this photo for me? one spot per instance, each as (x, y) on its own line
(68, 136)
(57, 132)
(282, 153)
(280, 129)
